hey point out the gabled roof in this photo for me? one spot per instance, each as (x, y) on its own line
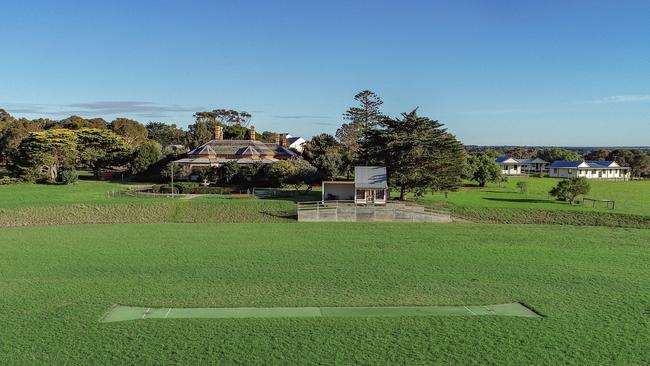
(533, 161)
(240, 147)
(603, 163)
(371, 177)
(506, 160)
(593, 164)
(569, 164)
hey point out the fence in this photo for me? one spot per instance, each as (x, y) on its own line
(348, 211)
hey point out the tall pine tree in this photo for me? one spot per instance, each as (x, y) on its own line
(361, 118)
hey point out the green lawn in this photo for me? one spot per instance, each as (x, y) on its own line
(631, 197)
(83, 192)
(591, 283)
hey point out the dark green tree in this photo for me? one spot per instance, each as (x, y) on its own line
(637, 160)
(419, 154)
(569, 190)
(360, 118)
(76, 122)
(44, 154)
(98, 149)
(144, 156)
(165, 134)
(230, 170)
(552, 154)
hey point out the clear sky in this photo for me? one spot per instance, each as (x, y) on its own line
(495, 72)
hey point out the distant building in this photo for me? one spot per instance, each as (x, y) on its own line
(296, 142)
(536, 165)
(215, 153)
(370, 186)
(592, 169)
(512, 166)
(509, 166)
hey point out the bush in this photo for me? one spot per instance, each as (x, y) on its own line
(523, 187)
(68, 176)
(8, 180)
(568, 190)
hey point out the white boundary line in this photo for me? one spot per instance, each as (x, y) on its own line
(146, 312)
(167, 313)
(468, 309)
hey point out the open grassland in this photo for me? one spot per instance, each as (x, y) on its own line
(43, 195)
(89, 202)
(506, 204)
(591, 283)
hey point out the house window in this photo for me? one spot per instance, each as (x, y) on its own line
(555, 170)
(379, 195)
(361, 194)
(570, 171)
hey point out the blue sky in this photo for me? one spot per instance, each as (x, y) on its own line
(495, 72)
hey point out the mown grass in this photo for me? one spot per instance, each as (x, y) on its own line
(506, 204)
(40, 195)
(590, 283)
(153, 210)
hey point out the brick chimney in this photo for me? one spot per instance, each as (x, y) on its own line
(251, 133)
(277, 139)
(218, 133)
(284, 140)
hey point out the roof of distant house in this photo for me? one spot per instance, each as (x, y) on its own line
(592, 164)
(240, 148)
(506, 159)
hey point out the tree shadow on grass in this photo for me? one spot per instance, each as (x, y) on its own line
(520, 200)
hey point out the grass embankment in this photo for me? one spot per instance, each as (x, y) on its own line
(590, 283)
(89, 202)
(505, 204)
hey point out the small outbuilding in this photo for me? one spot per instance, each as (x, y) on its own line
(370, 187)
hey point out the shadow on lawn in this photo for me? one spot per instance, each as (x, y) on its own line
(520, 200)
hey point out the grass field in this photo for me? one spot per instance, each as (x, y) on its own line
(590, 283)
(632, 197)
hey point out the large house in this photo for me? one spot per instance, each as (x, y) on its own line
(370, 187)
(512, 166)
(217, 152)
(590, 169)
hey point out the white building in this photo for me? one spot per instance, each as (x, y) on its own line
(509, 166)
(600, 169)
(296, 142)
(370, 187)
(536, 165)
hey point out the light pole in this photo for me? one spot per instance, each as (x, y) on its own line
(172, 180)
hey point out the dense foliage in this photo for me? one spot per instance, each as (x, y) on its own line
(482, 168)
(568, 190)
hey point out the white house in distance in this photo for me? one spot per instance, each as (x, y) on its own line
(509, 166)
(512, 166)
(296, 142)
(591, 169)
(536, 165)
(370, 187)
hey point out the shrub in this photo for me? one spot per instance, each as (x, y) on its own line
(8, 180)
(568, 190)
(523, 187)
(68, 176)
